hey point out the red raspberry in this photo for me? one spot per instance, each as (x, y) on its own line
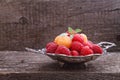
(97, 49)
(78, 37)
(86, 51)
(89, 44)
(74, 53)
(76, 46)
(62, 50)
(51, 47)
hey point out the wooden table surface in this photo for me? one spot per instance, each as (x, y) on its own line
(17, 64)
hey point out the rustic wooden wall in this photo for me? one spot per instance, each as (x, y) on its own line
(33, 23)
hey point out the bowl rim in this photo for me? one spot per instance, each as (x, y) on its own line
(70, 56)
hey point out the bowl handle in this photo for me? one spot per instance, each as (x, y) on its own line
(40, 51)
(106, 45)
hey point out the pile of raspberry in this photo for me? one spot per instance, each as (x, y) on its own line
(72, 43)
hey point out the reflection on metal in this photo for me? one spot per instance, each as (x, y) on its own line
(106, 45)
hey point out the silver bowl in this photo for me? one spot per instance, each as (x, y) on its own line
(74, 59)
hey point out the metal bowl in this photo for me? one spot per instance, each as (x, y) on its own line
(74, 59)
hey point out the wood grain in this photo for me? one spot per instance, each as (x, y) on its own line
(19, 65)
(33, 23)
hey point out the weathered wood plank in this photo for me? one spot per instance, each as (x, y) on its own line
(29, 66)
(14, 61)
(33, 23)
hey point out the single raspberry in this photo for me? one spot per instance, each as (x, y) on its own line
(97, 49)
(78, 37)
(86, 51)
(62, 50)
(74, 53)
(76, 46)
(51, 47)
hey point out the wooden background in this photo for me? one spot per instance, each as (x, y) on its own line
(33, 23)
